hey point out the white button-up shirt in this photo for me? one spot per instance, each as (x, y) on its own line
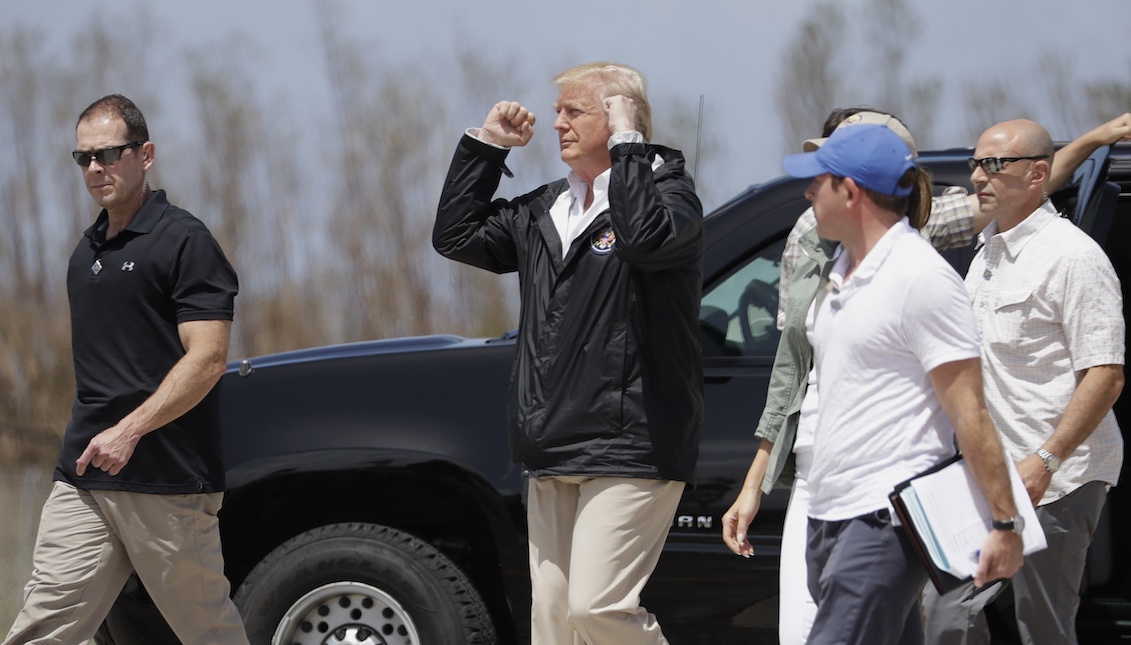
(569, 214)
(1049, 306)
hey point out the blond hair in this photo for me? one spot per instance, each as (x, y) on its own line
(611, 79)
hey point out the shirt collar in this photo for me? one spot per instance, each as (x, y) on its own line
(143, 221)
(578, 188)
(1017, 237)
(817, 248)
(875, 258)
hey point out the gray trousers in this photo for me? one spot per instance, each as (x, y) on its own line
(1046, 591)
(866, 579)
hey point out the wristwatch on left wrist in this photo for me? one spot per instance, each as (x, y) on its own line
(1052, 462)
(1015, 524)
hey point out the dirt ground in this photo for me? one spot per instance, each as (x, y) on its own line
(23, 490)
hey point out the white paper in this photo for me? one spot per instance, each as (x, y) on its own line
(953, 517)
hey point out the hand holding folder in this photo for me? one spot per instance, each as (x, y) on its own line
(947, 518)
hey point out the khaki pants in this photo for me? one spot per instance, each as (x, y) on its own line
(90, 541)
(594, 542)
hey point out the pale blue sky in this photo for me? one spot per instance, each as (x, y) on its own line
(728, 51)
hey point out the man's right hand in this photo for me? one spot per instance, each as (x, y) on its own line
(1000, 557)
(508, 124)
(109, 450)
(1035, 477)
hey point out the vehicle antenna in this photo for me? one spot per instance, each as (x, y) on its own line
(698, 136)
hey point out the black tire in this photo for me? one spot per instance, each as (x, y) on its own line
(361, 583)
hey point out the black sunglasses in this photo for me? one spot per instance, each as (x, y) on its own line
(997, 164)
(106, 156)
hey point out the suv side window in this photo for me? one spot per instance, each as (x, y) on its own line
(738, 316)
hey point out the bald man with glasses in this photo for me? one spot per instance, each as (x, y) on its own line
(1050, 315)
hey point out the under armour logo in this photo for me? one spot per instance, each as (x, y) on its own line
(127, 266)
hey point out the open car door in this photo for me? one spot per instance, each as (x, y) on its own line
(1089, 199)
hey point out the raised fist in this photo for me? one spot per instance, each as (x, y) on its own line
(622, 113)
(508, 124)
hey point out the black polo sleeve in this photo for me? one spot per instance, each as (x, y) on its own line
(204, 283)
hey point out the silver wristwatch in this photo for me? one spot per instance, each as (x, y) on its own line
(1052, 462)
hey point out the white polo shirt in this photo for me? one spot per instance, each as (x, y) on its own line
(877, 334)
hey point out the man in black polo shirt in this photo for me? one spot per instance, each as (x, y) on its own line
(139, 479)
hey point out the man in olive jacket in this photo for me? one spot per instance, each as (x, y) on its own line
(606, 395)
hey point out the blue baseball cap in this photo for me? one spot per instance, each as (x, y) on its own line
(872, 155)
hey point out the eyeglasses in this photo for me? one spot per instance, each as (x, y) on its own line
(106, 156)
(997, 164)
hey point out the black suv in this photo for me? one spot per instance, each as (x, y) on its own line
(371, 497)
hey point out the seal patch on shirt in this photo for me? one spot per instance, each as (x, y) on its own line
(603, 241)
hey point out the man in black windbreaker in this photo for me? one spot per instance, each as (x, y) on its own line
(606, 394)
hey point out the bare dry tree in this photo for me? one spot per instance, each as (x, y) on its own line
(1107, 99)
(247, 192)
(988, 101)
(228, 197)
(1055, 78)
(35, 369)
(44, 211)
(819, 71)
(810, 80)
(676, 124)
(1069, 104)
(888, 27)
(388, 181)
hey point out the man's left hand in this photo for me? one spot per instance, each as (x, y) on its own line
(109, 451)
(1001, 556)
(622, 113)
(1035, 477)
(1116, 130)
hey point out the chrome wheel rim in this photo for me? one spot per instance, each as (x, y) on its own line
(346, 613)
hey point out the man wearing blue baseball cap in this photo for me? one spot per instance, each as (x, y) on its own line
(894, 338)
